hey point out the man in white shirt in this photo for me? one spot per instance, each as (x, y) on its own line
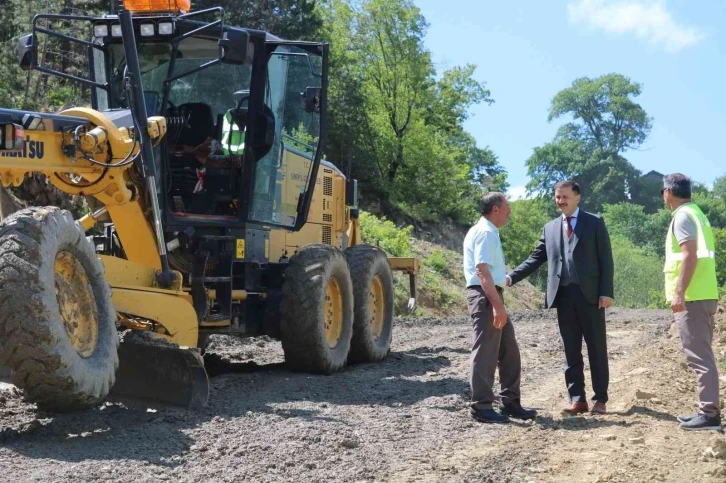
(494, 343)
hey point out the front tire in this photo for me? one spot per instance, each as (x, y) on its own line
(57, 323)
(317, 310)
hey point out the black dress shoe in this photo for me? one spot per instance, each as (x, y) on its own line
(516, 411)
(488, 415)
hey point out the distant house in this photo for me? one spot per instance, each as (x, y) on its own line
(647, 192)
(652, 175)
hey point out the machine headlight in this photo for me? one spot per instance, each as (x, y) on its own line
(166, 28)
(116, 30)
(100, 30)
(146, 29)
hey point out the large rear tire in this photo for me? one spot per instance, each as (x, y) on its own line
(317, 310)
(57, 323)
(374, 300)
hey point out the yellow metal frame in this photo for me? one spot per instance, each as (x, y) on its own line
(134, 292)
(115, 189)
(170, 310)
(407, 265)
(353, 233)
(410, 266)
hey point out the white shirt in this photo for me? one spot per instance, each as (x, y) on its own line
(573, 222)
(483, 245)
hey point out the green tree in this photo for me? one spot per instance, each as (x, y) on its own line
(646, 191)
(32, 90)
(395, 122)
(606, 122)
(522, 232)
(485, 171)
(452, 96)
(719, 187)
(720, 238)
(627, 220)
(638, 278)
(399, 74)
(647, 231)
(350, 142)
(714, 208)
(289, 19)
(293, 19)
(605, 116)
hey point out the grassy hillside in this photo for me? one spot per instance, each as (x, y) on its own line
(441, 280)
(441, 283)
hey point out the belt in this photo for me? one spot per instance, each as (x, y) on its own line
(478, 287)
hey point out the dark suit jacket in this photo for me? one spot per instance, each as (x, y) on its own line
(592, 254)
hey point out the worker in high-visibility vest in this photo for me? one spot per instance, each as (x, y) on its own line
(233, 136)
(692, 290)
(234, 125)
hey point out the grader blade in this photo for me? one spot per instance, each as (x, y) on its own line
(155, 370)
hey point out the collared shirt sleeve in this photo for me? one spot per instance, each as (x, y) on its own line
(485, 249)
(683, 228)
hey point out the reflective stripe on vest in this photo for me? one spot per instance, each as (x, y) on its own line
(699, 254)
(703, 285)
(233, 140)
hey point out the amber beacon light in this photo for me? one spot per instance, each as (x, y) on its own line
(167, 6)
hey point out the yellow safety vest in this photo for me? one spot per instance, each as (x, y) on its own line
(703, 285)
(233, 140)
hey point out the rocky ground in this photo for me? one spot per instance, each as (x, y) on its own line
(402, 420)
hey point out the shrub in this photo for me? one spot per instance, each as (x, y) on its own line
(437, 261)
(638, 276)
(395, 241)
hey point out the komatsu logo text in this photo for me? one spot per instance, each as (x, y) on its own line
(30, 150)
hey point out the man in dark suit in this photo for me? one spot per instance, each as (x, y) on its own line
(576, 247)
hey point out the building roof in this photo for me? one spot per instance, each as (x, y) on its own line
(653, 174)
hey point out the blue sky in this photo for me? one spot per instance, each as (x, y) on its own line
(528, 50)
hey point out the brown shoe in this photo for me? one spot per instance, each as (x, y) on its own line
(577, 407)
(599, 408)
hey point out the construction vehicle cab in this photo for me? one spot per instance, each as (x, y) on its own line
(213, 212)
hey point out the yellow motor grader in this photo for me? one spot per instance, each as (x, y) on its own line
(212, 213)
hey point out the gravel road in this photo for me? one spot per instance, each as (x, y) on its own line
(404, 419)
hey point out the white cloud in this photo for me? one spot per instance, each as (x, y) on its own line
(517, 193)
(647, 19)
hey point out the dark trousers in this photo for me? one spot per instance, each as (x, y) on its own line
(579, 318)
(491, 348)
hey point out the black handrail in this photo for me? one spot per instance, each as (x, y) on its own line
(34, 58)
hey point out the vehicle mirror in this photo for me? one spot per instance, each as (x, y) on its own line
(235, 47)
(311, 99)
(26, 51)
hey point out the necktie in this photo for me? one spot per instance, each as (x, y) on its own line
(569, 226)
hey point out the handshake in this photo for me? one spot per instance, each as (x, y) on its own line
(602, 303)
